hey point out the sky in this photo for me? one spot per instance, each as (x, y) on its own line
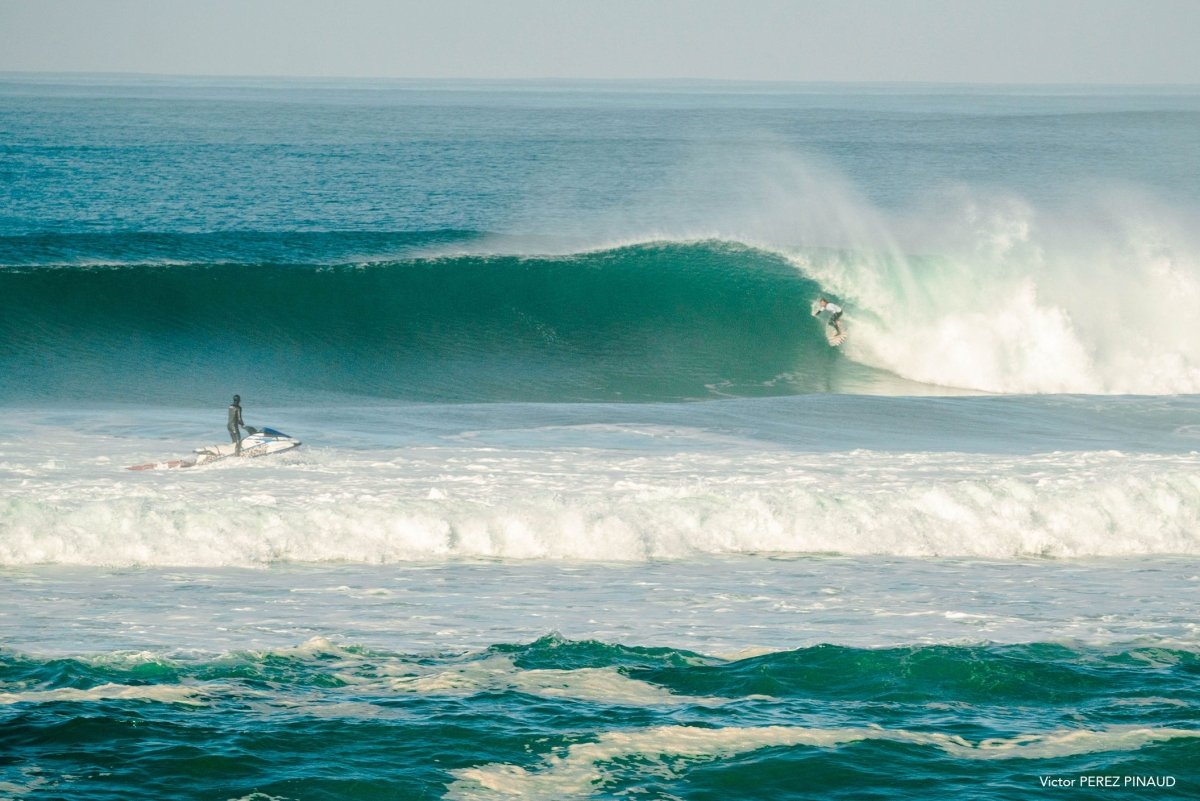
(945, 41)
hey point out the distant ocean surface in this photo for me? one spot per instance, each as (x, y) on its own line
(587, 507)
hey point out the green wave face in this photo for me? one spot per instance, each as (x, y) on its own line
(646, 322)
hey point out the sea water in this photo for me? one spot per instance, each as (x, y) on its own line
(586, 506)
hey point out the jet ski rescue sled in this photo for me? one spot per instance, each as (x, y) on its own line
(259, 442)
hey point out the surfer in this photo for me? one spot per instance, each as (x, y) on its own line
(235, 421)
(835, 314)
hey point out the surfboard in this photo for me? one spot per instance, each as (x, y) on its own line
(835, 339)
(171, 465)
(264, 442)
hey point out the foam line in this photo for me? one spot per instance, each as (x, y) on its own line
(1103, 506)
(582, 770)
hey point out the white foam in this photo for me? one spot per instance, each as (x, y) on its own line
(312, 649)
(1020, 299)
(583, 770)
(613, 507)
(158, 693)
(471, 674)
(32, 780)
(498, 673)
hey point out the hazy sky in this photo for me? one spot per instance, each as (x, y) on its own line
(992, 41)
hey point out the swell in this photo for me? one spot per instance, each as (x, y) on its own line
(152, 248)
(658, 321)
(1035, 673)
(559, 719)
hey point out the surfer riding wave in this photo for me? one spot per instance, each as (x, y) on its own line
(835, 314)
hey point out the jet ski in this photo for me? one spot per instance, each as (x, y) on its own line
(259, 442)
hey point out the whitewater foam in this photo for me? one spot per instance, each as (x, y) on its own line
(168, 694)
(437, 504)
(500, 674)
(1016, 298)
(583, 770)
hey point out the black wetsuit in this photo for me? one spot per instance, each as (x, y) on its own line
(235, 420)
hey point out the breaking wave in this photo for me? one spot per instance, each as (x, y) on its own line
(1012, 302)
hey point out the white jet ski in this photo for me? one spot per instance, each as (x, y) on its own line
(259, 442)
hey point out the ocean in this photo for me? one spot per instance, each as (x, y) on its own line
(587, 506)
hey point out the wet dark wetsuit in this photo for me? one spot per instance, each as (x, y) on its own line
(235, 420)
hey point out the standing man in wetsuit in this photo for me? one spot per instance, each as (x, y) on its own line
(235, 423)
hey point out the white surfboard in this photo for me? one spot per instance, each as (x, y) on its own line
(835, 339)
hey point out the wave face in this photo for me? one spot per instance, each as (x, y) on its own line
(659, 321)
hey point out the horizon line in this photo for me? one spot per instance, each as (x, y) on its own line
(679, 80)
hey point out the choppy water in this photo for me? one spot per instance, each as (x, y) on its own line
(587, 507)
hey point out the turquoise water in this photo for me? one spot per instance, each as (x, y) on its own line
(587, 506)
(869, 677)
(559, 718)
(713, 319)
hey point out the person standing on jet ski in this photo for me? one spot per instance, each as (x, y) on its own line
(234, 423)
